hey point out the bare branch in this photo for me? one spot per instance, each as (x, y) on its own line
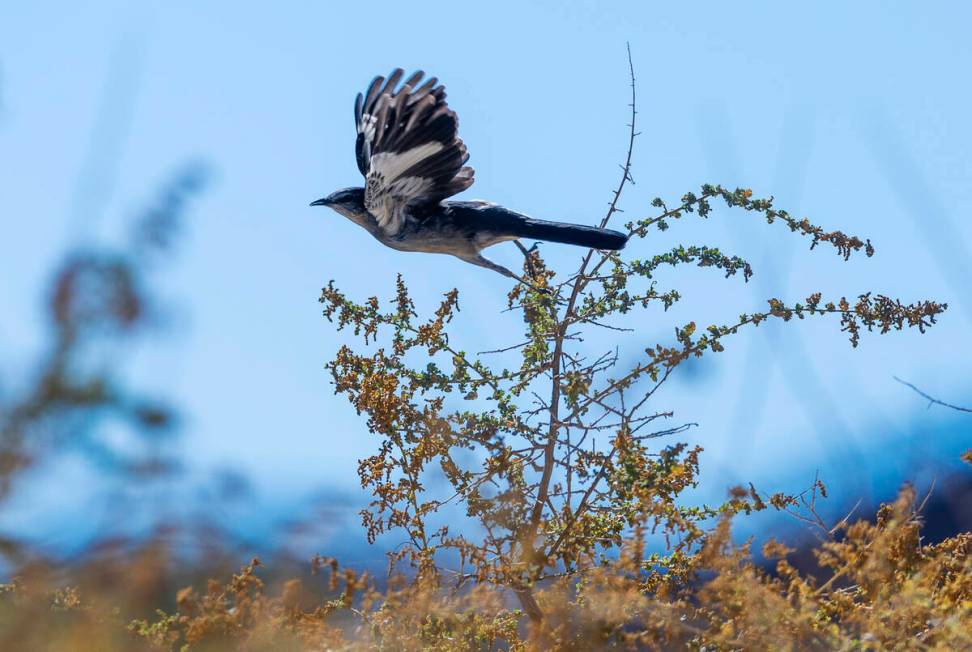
(931, 399)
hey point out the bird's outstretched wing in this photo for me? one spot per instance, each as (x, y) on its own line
(408, 147)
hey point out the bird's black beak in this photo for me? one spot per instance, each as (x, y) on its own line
(321, 202)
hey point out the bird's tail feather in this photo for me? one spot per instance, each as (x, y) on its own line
(572, 234)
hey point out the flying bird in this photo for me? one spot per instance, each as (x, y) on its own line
(409, 151)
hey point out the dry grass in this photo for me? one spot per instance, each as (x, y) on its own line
(885, 590)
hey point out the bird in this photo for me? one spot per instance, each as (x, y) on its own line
(409, 151)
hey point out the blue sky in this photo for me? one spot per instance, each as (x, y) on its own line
(854, 114)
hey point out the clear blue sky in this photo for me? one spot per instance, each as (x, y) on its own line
(855, 114)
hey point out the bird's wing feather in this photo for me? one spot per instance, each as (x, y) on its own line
(408, 147)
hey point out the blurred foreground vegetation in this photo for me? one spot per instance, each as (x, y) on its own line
(886, 590)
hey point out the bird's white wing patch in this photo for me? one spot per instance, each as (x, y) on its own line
(388, 202)
(367, 127)
(392, 165)
(388, 193)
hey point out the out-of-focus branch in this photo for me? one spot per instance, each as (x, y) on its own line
(99, 305)
(931, 399)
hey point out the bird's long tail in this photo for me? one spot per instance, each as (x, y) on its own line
(572, 234)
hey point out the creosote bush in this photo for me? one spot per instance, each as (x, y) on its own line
(562, 524)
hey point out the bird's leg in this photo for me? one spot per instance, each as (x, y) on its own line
(526, 254)
(488, 264)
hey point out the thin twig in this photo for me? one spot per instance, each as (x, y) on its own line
(931, 399)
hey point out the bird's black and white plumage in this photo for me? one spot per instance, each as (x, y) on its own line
(409, 151)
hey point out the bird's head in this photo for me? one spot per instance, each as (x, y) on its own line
(347, 201)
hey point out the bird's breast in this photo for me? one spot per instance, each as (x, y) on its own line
(437, 237)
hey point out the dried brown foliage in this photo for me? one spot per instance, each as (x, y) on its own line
(886, 589)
